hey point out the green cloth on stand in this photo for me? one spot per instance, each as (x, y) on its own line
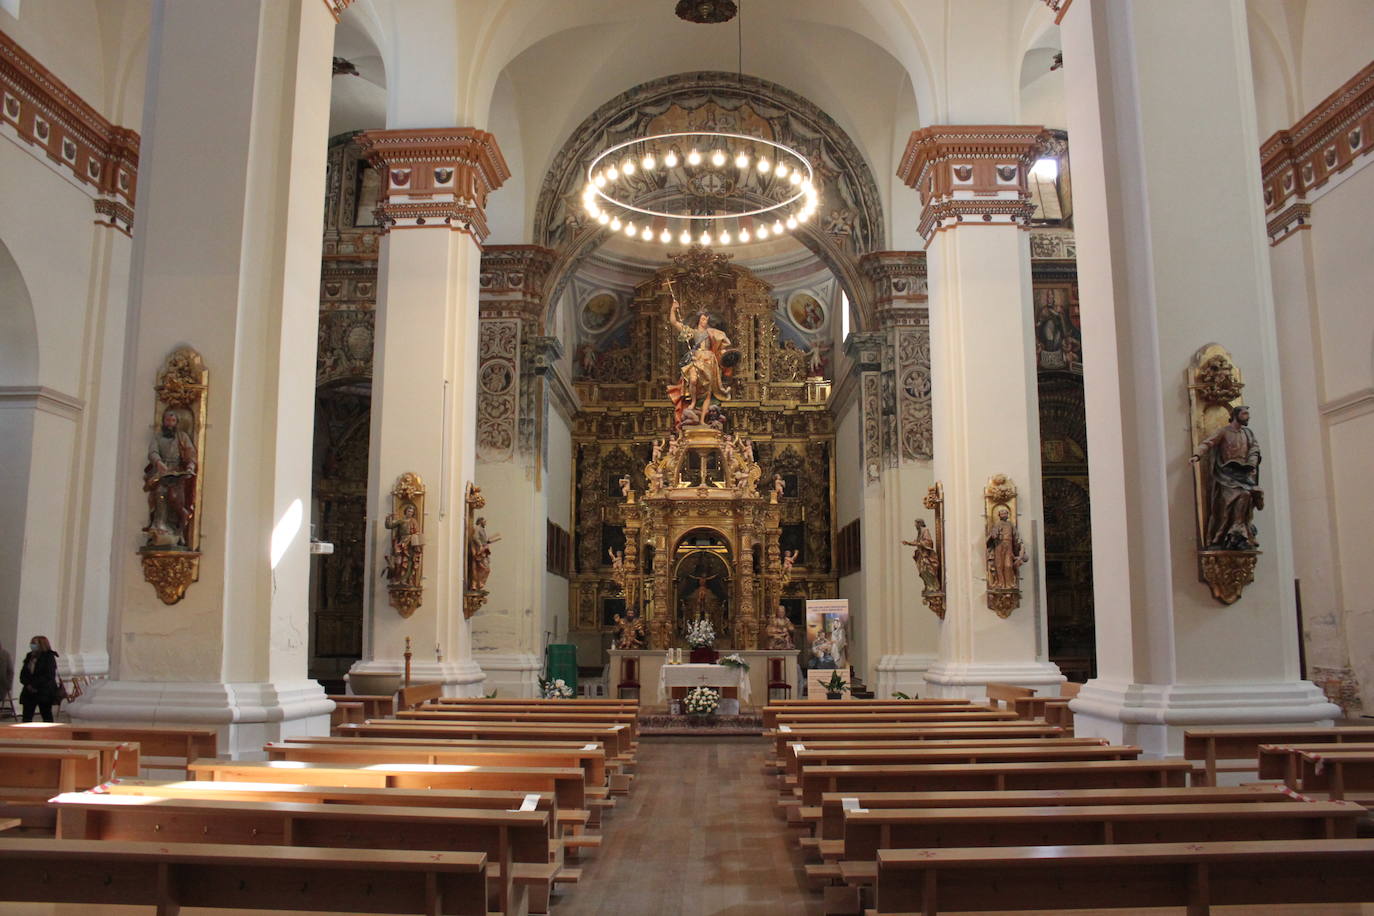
(560, 661)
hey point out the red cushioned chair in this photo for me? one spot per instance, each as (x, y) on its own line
(777, 678)
(629, 679)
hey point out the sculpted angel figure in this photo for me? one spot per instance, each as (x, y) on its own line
(625, 488)
(617, 559)
(703, 374)
(788, 558)
(778, 486)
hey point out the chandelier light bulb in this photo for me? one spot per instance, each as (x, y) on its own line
(705, 238)
(808, 187)
(686, 237)
(630, 229)
(590, 206)
(612, 173)
(694, 158)
(628, 166)
(603, 217)
(763, 232)
(742, 161)
(781, 170)
(764, 165)
(647, 162)
(804, 215)
(665, 236)
(777, 227)
(615, 224)
(791, 222)
(647, 235)
(600, 180)
(670, 160)
(796, 178)
(744, 235)
(718, 158)
(724, 237)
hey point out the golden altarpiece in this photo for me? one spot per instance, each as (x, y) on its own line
(685, 516)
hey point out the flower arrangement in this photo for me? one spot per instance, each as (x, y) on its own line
(556, 689)
(700, 635)
(733, 660)
(702, 701)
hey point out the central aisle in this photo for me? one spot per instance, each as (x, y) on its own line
(698, 835)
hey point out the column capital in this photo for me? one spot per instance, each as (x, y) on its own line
(436, 177)
(899, 286)
(971, 173)
(512, 282)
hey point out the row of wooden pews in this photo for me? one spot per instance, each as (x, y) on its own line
(915, 807)
(447, 818)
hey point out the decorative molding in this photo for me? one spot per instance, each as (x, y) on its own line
(972, 174)
(1348, 407)
(900, 291)
(435, 178)
(336, 8)
(498, 388)
(38, 397)
(43, 116)
(1325, 146)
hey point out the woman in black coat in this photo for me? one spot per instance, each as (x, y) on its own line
(39, 677)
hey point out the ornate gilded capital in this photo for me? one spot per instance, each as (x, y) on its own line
(971, 174)
(436, 177)
(511, 284)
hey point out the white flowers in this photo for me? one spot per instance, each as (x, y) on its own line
(700, 635)
(556, 689)
(702, 701)
(733, 660)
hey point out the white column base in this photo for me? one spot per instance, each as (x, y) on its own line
(1153, 716)
(902, 673)
(513, 675)
(969, 680)
(247, 715)
(460, 679)
(84, 664)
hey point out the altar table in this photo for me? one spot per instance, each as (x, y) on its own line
(718, 676)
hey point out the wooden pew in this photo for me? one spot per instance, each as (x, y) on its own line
(1001, 696)
(614, 738)
(490, 799)
(117, 758)
(1054, 710)
(1332, 769)
(538, 702)
(179, 743)
(830, 815)
(169, 876)
(791, 764)
(1193, 875)
(417, 695)
(1210, 745)
(375, 705)
(533, 716)
(31, 775)
(1101, 774)
(567, 783)
(808, 757)
(346, 712)
(786, 734)
(591, 758)
(843, 720)
(508, 838)
(859, 707)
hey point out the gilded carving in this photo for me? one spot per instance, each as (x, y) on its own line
(1226, 460)
(1005, 549)
(172, 477)
(478, 551)
(929, 554)
(405, 561)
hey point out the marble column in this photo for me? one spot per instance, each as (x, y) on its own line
(226, 261)
(972, 182)
(1171, 257)
(425, 382)
(515, 358)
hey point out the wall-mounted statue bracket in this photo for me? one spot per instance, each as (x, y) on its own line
(1006, 549)
(929, 554)
(172, 477)
(1226, 460)
(405, 563)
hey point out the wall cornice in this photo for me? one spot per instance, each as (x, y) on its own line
(38, 397)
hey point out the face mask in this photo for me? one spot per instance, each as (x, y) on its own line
(33, 647)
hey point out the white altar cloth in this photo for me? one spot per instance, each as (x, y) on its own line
(670, 676)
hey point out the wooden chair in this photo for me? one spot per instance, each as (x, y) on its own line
(777, 678)
(629, 677)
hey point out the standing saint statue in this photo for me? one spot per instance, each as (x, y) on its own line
(479, 555)
(403, 564)
(926, 556)
(1234, 492)
(169, 479)
(703, 373)
(1006, 551)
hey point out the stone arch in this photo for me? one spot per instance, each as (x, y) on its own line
(848, 189)
(18, 325)
(18, 391)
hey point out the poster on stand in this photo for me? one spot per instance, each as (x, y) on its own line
(827, 642)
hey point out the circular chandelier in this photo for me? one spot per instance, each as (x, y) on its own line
(700, 186)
